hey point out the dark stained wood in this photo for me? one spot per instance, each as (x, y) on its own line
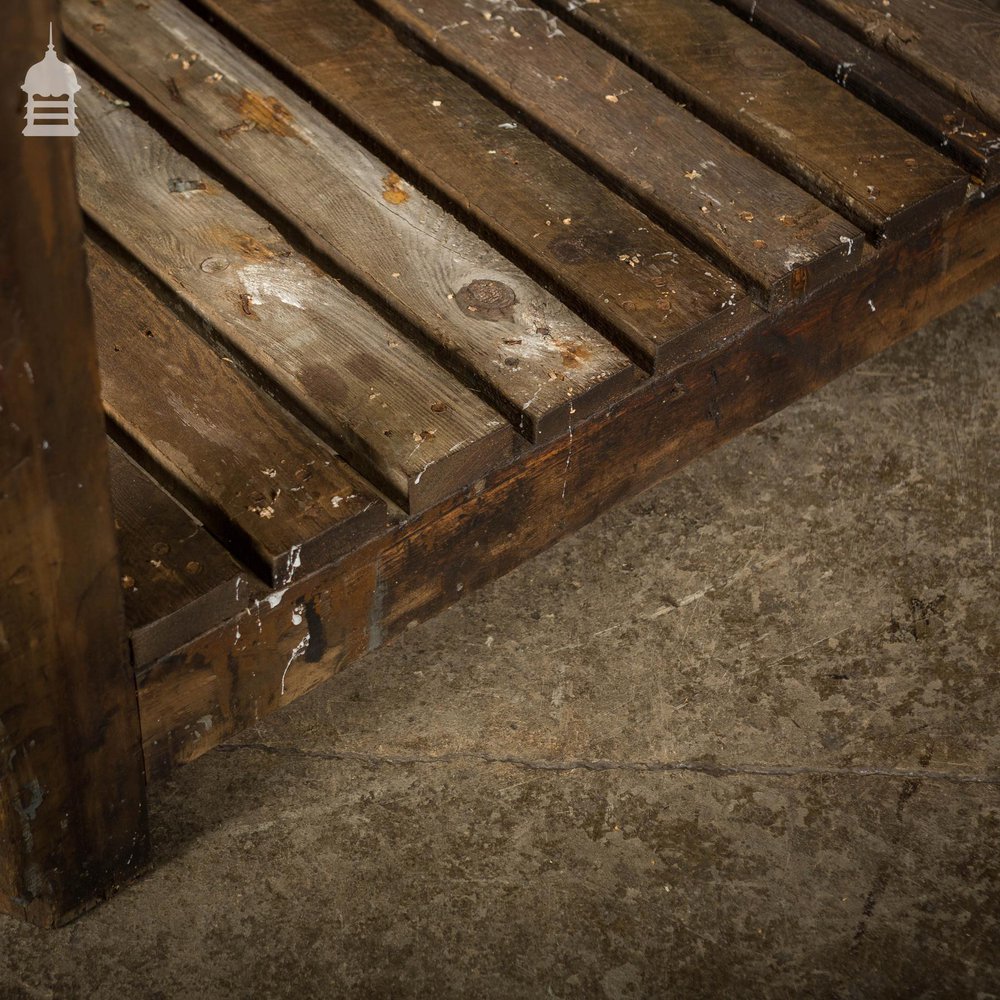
(875, 78)
(751, 220)
(400, 419)
(524, 350)
(762, 96)
(955, 44)
(640, 286)
(177, 580)
(267, 486)
(716, 388)
(72, 786)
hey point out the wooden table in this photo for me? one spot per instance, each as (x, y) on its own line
(386, 298)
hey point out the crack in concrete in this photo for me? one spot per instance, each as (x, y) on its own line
(710, 768)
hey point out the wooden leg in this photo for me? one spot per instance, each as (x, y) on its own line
(72, 781)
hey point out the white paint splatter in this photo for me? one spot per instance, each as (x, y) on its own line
(293, 563)
(296, 653)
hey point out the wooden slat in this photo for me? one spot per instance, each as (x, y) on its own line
(955, 44)
(875, 78)
(264, 484)
(621, 270)
(400, 419)
(177, 580)
(713, 393)
(762, 96)
(759, 225)
(526, 352)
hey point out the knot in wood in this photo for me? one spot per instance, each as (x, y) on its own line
(485, 298)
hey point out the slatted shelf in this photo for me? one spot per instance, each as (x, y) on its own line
(850, 157)
(390, 295)
(950, 43)
(876, 78)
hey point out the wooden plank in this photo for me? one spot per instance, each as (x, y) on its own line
(178, 581)
(527, 353)
(762, 96)
(715, 389)
(884, 84)
(633, 280)
(954, 44)
(73, 822)
(753, 222)
(396, 416)
(265, 485)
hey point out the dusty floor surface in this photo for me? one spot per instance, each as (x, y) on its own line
(737, 738)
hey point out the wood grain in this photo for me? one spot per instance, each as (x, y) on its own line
(763, 97)
(716, 389)
(639, 285)
(753, 222)
(176, 579)
(954, 44)
(266, 486)
(73, 821)
(400, 420)
(532, 358)
(877, 79)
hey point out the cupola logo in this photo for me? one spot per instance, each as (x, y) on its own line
(51, 86)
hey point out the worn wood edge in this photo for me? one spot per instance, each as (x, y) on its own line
(984, 165)
(298, 637)
(132, 488)
(899, 224)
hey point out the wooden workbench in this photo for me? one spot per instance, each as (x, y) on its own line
(387, 297)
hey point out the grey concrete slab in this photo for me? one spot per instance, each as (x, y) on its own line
(737, 738)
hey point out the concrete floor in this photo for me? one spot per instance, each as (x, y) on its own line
(737, 738)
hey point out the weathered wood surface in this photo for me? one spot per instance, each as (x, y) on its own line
(749, 219)
(269, 488)
(72, 785)
(955, 44)
(177, 580)
(517, 344)
(717, 388)
(400, 419)
(763, 97)
(633, 280)
(880, 81)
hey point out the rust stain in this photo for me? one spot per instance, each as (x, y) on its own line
(257, 111)
(393, 193)
(573, 354)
